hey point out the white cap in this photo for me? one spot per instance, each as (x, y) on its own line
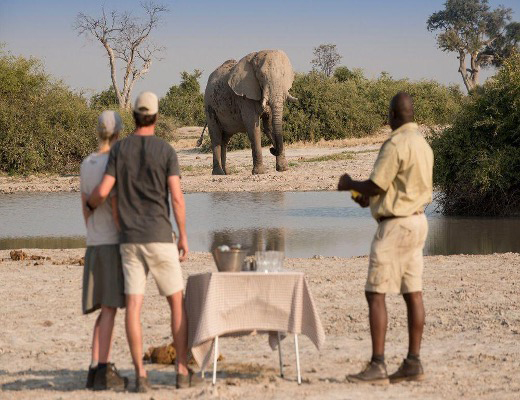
(146, 103)
(109, 123)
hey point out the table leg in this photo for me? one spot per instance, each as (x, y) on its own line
(280, 354)
(297, 350)
(215, 357)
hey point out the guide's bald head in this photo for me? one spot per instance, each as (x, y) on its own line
(401, 110)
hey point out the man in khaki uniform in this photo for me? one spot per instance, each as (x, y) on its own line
(399, 188)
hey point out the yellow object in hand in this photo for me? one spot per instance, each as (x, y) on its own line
(355, 194)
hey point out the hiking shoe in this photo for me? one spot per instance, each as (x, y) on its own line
(90, 377)
(374, 373)
(187, 381)
(142, 385)
(109, 378)
(410, 370)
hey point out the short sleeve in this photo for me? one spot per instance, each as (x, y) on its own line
(82, 185)
(172, 166)
(386, 166)
(112, 160)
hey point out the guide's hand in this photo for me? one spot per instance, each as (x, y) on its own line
(362, 200)
(182, 245)
(345, 182)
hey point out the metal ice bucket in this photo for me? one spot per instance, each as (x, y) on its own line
(230, 260)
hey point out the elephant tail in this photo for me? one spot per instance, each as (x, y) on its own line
(199, 141)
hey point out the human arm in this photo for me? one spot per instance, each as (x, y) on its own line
(179, 212)
(385, 170)
(101, 192)
(86, 212)
(115, 212)
(366, 189)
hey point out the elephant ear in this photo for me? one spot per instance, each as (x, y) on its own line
(243, 81)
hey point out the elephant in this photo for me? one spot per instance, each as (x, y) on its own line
(240, 94)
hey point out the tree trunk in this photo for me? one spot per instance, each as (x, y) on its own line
(475, 69)
(464, 72)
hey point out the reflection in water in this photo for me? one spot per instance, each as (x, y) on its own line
(253, 240)
(302, 224)
(457, 235)
(42, 242)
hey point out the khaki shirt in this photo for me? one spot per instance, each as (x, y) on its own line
(403, 169)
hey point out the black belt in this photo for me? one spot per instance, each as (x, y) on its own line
(381, 219)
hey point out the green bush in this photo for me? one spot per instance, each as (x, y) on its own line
(44, 126)
(477, 159)
(185, 102)
(352, 106)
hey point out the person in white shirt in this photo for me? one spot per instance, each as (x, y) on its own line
(103, 282)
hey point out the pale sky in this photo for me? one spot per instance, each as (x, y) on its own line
(374, 35)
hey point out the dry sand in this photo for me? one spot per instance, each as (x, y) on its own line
(314, 166)
(470, 348)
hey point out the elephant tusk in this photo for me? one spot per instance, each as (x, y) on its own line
(292, 99)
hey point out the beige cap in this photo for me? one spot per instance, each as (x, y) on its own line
(109, 123)
(146, 103)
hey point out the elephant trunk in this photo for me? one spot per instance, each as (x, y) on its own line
(277, 110)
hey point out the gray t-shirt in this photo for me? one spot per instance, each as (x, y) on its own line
(141, 166)
(101, 228)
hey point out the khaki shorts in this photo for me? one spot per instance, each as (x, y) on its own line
(396, 259)
(162, 259)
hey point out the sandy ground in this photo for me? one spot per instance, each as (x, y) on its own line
(470, 347)
(313, 166)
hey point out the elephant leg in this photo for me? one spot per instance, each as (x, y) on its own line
(225, 140)
(215, 134)
(281, 162)
(252, 122)
(255, 136)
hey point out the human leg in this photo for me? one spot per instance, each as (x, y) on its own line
(416, 316)
(134, 304)
(411, 368)
(179, 328)
(378, 319)
(106, 327)
(94, 359)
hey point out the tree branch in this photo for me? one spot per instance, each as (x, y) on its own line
(123, 38)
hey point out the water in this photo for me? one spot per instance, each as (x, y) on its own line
(302, 224)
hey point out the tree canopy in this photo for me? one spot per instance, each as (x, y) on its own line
(185, 102)
(326, 57)
(471, 28)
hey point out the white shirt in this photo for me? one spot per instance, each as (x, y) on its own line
(101, 228)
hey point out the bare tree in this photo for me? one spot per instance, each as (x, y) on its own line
(325, 58)
(125, 38)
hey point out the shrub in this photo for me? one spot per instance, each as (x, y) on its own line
(352, 106)
(44, 126)
(477, 159)
(104, 100)
(185, 102)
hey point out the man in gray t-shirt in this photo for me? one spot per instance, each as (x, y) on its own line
(144, 167)
(141, 166)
